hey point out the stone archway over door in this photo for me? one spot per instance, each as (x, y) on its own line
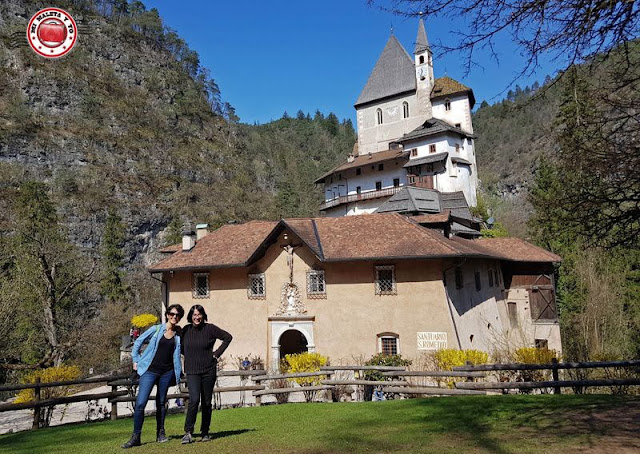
(281, 324)
(291, 342)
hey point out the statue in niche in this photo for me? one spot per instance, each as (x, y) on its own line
(291, 302)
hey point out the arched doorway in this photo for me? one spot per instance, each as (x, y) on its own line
(292, 341)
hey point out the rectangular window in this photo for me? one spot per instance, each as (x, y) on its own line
(432, 148)
(396, 182)
(389, 345)
(457, 148)
(447, 105)
(257, 287)
(358, 171)
(458, 125)
(478, 281)
(414, 152)
(358, 189)
(512, 310)
(380, 166)
(200, 285)
(385, 280)
(315, 284)
(459, 278)
(378, 185)
(490, 278)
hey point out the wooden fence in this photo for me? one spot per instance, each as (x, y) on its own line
(395, 380)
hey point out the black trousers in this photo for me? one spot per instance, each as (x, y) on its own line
(200, 391)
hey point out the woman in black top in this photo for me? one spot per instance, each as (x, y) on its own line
(200, 362)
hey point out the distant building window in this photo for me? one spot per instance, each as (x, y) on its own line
(458, 125)
(256, 287)
(358, 171)
(512, 310)
(405, 109)
(378, 185)
(478, 281)
(542, 343)
(388, 344)
(379, 116)
(358, 189)
(421, 59)
(457, 148)
(315, 283)
(200, 285)
(432, 148)
(447, 104)
(396, 182)
(469, 141)
(381, 166)
(339, 176)
(414, 152)
(459, 278)
(385, 280)
(490, 278)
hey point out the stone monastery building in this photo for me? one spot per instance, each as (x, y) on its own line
(408, 276)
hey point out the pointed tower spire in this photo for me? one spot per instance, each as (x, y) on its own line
(422, 43)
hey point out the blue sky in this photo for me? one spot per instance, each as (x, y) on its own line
(271, 57)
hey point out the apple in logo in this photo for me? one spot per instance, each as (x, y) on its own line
(52, 32)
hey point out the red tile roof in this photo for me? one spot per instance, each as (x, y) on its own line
(512, 249)
(437, 218)
(367, 159)
(171, 249)
(230, 245)
(366, 237)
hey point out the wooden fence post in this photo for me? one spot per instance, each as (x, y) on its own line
(36, 409)
(114, 405)
(554, 373)
(258, 398)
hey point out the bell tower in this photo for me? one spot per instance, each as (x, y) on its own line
(423, 61)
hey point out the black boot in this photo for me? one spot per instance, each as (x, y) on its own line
(134, 441)
(161, 436)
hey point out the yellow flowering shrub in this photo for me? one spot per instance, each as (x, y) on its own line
(447, 359)
(48, 375)
(305, 362)
(532, 355)
(144, 320)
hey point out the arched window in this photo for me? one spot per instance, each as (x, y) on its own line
(405, 109)
(421, 60)
(379, 115)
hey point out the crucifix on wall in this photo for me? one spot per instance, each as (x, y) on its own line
(289, 248)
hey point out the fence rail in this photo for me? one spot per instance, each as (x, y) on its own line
(396, 382)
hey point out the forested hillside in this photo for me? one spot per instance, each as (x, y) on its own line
(108, 153)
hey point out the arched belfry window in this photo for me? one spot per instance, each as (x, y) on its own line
(421, 59)
(379, 115)
(405, 109)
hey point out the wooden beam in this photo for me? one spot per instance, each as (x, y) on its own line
(548, 384)
(290, 390)
(435, 373)
(432, 391)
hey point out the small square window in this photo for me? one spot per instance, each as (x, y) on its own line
(380, 166)
(385, 280)
(358, 190)
(458, 125)
(358, 171)
(201, 285)
(316, 286)
(432, 148)
(396, 182)
(257, 287)
(414, 152)
(378, 185)
(389, 345)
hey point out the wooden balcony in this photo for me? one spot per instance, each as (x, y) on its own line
(358, 197)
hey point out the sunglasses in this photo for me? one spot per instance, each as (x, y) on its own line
(173, 314)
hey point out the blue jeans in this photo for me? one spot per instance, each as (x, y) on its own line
(145, 385)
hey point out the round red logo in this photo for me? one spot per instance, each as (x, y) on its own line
(52, 32)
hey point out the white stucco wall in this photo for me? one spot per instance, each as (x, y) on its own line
(460, 111)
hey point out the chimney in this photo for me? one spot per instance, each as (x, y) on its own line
(188, 240)
(201, 231)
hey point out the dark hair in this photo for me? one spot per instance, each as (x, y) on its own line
(200, 309)
(178, 307)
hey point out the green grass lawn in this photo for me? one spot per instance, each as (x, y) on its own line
(469, 424)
